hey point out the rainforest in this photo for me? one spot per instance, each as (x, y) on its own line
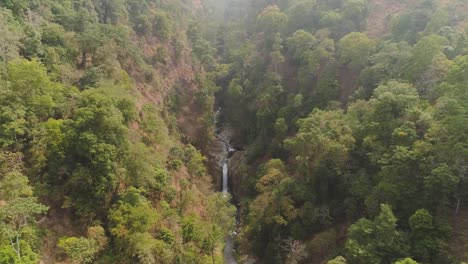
(234, 131)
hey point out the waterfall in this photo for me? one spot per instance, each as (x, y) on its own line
(228, 150)
(225, 175)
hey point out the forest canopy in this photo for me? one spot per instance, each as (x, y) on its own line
(342, 126)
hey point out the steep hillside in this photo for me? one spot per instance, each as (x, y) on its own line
(350, 116)
(95, 166)
(340, 129)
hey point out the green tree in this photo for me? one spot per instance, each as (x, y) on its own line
(131, 220)
(17, 6)
(78, 249)
(111, 11)
(406, 261)
(272, 209)
(422, 55)
(96, 141)
(271, 21)
(222, 216)
(11, 35)
(424, 240)
(32, 46)
(337, 260)
(356, 11)
(324, 138)
(302, 15)
(162, 25)
(354, 49)
(17, 212)
(300, 44)
(440, 185)
(81, 249)
(131, 214)
(376, 241)
(29, 96)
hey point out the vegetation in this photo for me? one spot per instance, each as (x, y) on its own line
(351, 125)
(84, 150)
(359, 134)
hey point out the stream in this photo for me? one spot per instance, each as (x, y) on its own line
(228, 150)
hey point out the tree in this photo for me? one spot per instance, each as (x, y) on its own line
(194, 161)
(323, 243)
(17, 6)
(16, 216)
(406, 261)
(449, 130)
(356, 11)
(131, 219)
(272, 209)
(81, 249)
(111, 11)
(354, 49)
(337, 260)
(78, 249)
(334, 21)
(89, 40)
(32, 46)
(376, 241)
(162, 25)
(271, 21)
(96, 139)
(300, 44)
(131, 214)
(11, 35)
(222, 216)
(438, 20)
(302, 15)
(422, 55)
(440, 185)
(221, 212)
(424, 239)
(387, 63)
(383, 113)
(324, 138)
(296, 251)
(29, 97)
(18, 209)
(14, 184)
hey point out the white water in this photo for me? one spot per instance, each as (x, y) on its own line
(225, 175)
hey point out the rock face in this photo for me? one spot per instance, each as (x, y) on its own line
(215, 157)
(217, 153)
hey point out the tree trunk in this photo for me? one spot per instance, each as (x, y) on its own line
(17, 248)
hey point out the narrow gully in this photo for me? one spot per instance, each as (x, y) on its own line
(229, 249)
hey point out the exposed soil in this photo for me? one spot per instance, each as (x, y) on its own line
(59, 223)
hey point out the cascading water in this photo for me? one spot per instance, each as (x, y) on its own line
(225, 176)
(227, 152)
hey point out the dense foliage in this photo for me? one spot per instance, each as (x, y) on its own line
(351, 125)
(85, 129)
(355, 141)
